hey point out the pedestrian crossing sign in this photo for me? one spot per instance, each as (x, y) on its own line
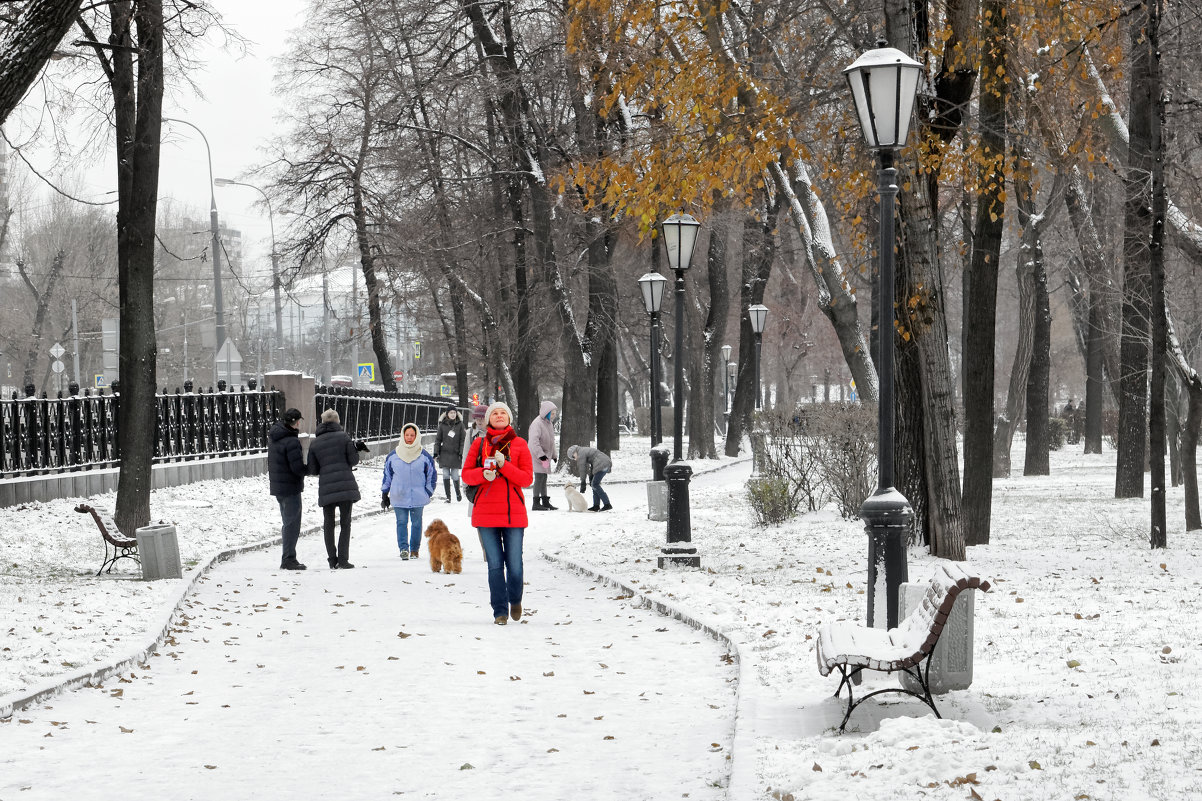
(367, 372)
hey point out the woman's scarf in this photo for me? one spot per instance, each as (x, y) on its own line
(499, 439)
(408, 453)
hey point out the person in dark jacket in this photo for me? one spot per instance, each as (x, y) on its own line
(286, 479)
(331, 457)
(449, 448)
(593, 465)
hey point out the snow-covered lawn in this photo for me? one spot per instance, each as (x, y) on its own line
(1087, 650)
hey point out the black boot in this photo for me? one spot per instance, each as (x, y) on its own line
(547, 503)
(538, 504)
(458, 496)
(446, 488)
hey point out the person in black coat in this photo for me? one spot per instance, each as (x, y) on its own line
(449, 450)
(331, 457)
(286, 479)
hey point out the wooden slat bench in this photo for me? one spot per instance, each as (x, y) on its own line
(116, 545)
(851, 648)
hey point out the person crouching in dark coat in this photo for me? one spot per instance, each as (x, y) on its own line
(286, 479)
(331, 457)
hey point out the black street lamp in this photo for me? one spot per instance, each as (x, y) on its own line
(652, 286)
(759, 316)
(680, 236)
(884, 82)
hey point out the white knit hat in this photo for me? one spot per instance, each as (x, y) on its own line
(329, 416)
(498, 405)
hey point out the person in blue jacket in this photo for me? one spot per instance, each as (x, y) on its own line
(409, 479)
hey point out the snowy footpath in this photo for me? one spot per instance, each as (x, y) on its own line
(391, 680)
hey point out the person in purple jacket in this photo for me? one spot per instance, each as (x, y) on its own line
(409, 479)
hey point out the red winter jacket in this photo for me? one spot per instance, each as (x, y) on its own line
(500, 502)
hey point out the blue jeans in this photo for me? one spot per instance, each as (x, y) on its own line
(503, 549)
(599, 496)
(290, 512)
(414, 516)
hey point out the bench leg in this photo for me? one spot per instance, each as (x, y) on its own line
(920, 675)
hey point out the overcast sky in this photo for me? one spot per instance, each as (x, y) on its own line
(237, 116)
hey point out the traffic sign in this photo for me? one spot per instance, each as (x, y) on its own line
(57, 352)
(398, 375)
(445, 390)
(367, 372)
(101, 382)
(57, 366)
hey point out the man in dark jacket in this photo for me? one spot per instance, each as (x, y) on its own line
(286, 476)
(332, 457)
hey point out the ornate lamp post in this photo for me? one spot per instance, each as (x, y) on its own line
(883, 83)
(652, 285)
(759, 316)
(680, 236)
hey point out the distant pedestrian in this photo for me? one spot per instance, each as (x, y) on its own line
(450, 443)
(286, 478)
(594, 465)
(331, 458)
(409, 481)
(541, 438)
(498, 465)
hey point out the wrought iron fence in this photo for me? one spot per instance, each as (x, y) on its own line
(368, 414)
(41, 435)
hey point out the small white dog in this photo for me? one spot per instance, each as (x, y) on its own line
(576, 501)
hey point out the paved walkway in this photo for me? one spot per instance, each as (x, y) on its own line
(389, 680)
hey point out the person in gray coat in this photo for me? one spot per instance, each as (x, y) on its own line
(541, 439)
(594, 465)
(331, 457)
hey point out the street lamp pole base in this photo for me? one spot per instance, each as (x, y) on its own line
(678, 557)
(888, 518)
(679, 549)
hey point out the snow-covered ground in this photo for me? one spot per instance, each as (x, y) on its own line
(1087, 650)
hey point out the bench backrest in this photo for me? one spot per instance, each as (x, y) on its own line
(108, 526)
(919, 631)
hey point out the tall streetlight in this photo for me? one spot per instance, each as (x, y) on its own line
(680, 237)
(652, 285)
(275, 260)
(758, 314)
(215, 231)
(883, 83)
(726, 392)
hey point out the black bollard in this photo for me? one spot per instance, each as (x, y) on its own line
(679, 550)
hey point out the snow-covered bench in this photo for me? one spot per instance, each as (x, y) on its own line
(116, 545)
(850, 648)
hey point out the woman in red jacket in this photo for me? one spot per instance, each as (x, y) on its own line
(498, 465)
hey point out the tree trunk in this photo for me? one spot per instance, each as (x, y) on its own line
(703, 420)
(1137, 290)
(980, 343)
(759, 250)
(138, 114)
(1036, 317)
(1158, 536)
(27, 46)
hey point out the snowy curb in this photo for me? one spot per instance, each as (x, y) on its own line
(741, 785)
(23, 698)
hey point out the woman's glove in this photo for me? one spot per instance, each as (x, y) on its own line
(544, 460)
(385, 502)
(361, 446)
